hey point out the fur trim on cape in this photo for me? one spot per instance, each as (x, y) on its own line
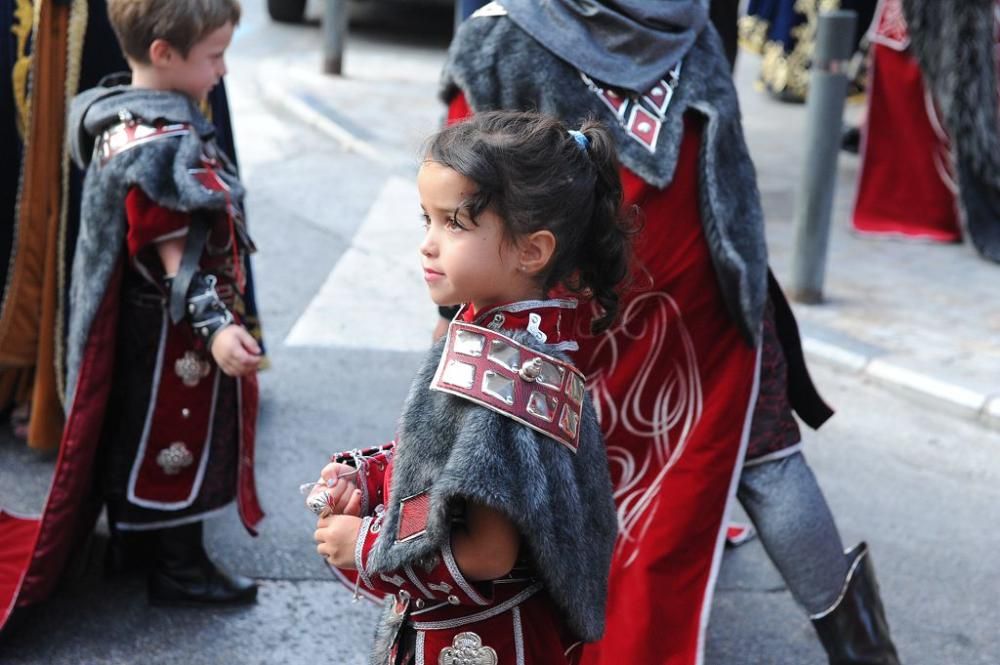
(499, 66)
(560, 502)
(955, 44)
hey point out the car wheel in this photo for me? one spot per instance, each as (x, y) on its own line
(287, 11)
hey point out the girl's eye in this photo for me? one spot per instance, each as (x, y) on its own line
(455, 225)
(425, 219)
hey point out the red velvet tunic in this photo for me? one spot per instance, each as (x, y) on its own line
(445, 613)
(176, 423)
(675, 387)
(906, 186)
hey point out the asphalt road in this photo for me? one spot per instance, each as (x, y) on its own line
(920, 487)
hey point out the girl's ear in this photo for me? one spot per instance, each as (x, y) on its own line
(535, 251)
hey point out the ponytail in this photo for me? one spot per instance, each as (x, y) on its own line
(606, 251)
(536, 174)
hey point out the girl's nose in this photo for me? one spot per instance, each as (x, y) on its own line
(427, 246)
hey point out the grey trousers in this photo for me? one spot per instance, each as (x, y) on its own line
(796, 528)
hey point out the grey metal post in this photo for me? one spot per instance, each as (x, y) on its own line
(334, 35)
(824, 112)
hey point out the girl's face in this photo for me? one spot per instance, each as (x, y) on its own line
(466, 261)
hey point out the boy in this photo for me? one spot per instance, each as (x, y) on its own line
(157, 297)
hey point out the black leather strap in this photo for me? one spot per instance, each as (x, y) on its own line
(196, 238)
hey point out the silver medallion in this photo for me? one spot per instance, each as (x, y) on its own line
(467, 649)
(174, 458)
(191, 369)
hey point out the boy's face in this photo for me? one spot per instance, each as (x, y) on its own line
(203, 67)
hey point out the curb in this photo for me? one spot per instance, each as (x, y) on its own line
(953, 399)
(296, 103)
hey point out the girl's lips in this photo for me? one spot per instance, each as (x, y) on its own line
(432, 275)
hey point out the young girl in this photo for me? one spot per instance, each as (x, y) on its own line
(489, 524)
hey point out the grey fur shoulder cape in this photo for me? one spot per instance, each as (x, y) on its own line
(497, 65)
(955, 45)
(560, 501)
(162, 168)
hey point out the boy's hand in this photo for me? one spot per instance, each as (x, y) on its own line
(236, 351)
(343, 495)
(337, 535)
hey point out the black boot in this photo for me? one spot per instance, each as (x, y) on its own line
(184, 575)
(854, 631)
(129, 552)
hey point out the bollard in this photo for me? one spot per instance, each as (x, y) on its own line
(334, 35)
(824, 124)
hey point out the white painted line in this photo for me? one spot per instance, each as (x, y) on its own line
(375, 297)
(834, 355)
(991, 413)
(967, 402)
(272, 86)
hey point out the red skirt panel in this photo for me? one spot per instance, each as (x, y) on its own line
(675, 385)
(906, 186)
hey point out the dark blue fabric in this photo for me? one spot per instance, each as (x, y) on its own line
(10, 139)
(467, 7)
(781, 17)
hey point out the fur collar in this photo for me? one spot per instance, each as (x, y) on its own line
(499, 66)
(162, 168)
(561, 502)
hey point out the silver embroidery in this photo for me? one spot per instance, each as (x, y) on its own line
(175, 458)
(468, 649)
(191, 369)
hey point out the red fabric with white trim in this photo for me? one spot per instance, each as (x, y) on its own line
(676, 402)
(673, 384)
(444, 583)
(148, 221)
(903, 143)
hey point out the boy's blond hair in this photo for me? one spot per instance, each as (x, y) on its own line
(181, 23)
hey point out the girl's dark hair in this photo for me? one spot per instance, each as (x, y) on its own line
(537, 176)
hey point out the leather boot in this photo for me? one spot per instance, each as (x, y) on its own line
(184, 575)
(854, 630)
(129, 552)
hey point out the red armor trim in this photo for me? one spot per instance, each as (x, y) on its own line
(443, 584)
(499, 608)
(372, 464)
(492, 370)
(413, 513)
(130, 134)
(642, 115)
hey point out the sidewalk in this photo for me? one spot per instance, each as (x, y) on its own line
(918, 318)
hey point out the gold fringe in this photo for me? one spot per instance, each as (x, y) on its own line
(76, 34)
(753, 33)
(24, 22)
(786, 75)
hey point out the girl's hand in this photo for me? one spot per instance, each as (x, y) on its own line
(337, 535)
(340, 483)
(236, 351)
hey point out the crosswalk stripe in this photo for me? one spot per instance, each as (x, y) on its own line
(375, 296)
